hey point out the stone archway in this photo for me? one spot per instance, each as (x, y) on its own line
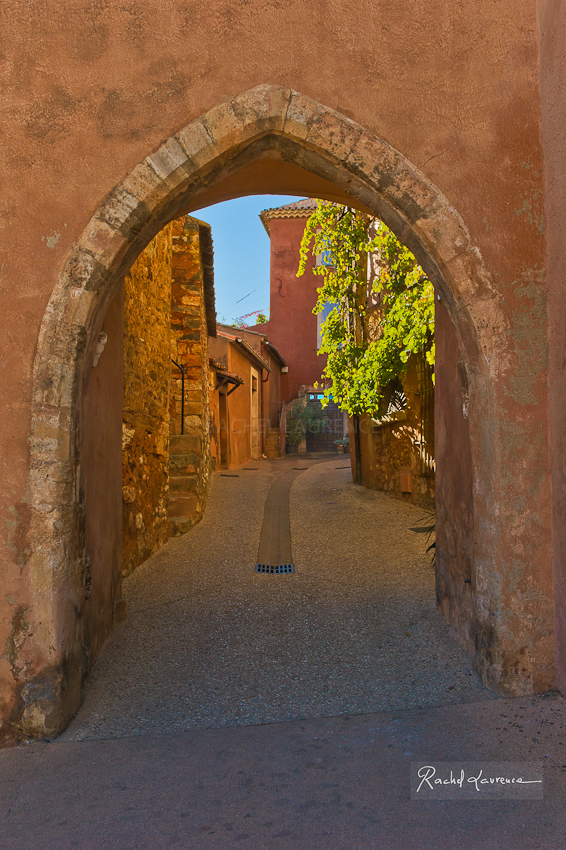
(267, 124)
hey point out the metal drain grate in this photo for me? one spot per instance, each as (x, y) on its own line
(278, 570)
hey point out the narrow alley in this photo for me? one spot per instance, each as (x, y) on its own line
(209, 642)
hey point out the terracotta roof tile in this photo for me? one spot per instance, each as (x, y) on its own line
(298, 209)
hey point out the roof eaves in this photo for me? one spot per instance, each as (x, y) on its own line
(252, 353)
(298, 209)
(207, 262)
(276, 354)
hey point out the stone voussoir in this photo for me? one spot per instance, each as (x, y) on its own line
(121, 208)
(335, 134)
(301, 112)
(197, 143)
(144, 183)
(171, 162)
(104, 241)
(227, 129)
(262, 109)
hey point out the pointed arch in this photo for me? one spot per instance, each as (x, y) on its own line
(267, 122)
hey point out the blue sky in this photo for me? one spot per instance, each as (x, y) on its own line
(241, 254)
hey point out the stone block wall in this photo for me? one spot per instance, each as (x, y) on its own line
(190, 457)
(145, 436)
(165, 474)
(393, 447)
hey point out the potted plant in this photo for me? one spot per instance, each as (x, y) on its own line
(343, 445)
(295, 428)
(302, 419)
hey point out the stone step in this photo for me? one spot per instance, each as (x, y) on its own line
(180, 525)
(184, 444)
(183, 463)
(183, 507)
(182, 483)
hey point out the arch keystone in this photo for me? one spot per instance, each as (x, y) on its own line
(263, 106)
(301, 113)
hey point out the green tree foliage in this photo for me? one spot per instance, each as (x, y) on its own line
(261, 319)
(365, 351)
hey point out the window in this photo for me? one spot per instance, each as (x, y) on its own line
(393, 399)
(324, 259)
(328, 308)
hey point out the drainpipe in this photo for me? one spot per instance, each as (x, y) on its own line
(263, 428)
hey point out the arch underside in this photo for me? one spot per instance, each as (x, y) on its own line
(268, 140)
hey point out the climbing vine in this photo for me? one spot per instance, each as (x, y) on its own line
(373, 322)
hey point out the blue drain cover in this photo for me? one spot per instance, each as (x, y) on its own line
(275, 570)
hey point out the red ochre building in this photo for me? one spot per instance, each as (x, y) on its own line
(292, 325)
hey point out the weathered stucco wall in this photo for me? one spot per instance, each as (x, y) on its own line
(442, 139)
(97, 598)
(552, 27)
(145, 434)
(455, 575)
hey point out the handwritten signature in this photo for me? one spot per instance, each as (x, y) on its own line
(427, 774)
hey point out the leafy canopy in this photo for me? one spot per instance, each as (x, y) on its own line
(366, 349)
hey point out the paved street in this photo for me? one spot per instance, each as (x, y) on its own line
(209, 642)
(238, 709)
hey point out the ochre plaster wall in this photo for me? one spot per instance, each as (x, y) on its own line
(147, 370)
(238, 421)
(270, 389)
(292, 324)
(238, 403)
(89, 92)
